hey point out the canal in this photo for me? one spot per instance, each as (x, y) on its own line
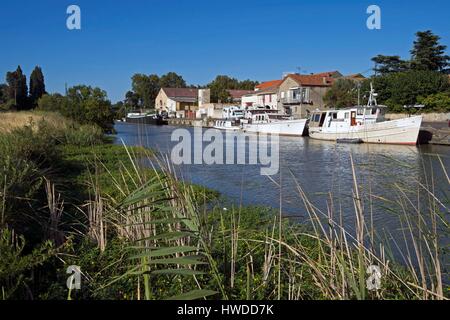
(394, 182)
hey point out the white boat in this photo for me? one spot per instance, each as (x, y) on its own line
(273, 123)
(366, 123)
(231, 118)
(227, 124)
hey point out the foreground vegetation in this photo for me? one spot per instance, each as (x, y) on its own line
(69, 197)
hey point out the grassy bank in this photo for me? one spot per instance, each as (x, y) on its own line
(70, 197)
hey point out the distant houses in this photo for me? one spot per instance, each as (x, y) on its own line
(191, 102)
(295, 94)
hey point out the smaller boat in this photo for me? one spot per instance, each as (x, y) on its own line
(349, 140)
(144, 118)
(227, 124)
(232, 116)
(269, 121)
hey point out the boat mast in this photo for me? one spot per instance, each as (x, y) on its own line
(372, 97)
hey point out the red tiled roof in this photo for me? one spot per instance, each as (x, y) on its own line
(269, 84)
(328, 74)
(312, 80)
(181, 92)
(237, 94)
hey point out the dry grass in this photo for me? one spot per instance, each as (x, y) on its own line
(12, 120)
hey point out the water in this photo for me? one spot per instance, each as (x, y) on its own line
(385, 174)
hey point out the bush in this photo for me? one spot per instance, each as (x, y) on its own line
(83, 104)
(439, 102)
(404, 88)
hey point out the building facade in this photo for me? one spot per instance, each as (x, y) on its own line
(181, 102)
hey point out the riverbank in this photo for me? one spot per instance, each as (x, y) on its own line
(138, 232)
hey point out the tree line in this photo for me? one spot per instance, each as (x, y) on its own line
(145, 88)
(16, 94)
(84, 104)
(422, 79)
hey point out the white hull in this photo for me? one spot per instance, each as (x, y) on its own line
(282, 127)
(401, 131)
(234, 128)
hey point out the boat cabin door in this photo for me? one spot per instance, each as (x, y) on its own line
(353, 118)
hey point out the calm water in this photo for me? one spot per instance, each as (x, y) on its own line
(320, 168)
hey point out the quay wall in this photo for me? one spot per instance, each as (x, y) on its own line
(427, 117)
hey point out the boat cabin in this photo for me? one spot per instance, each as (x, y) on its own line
(233, 112)
(347, 117)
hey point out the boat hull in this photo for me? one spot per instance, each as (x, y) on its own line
(402, 131)
(146, 120)
(227, 128)
(285, 127)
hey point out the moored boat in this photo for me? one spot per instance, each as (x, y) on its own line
(273, 123)
(227, 124)
(142, 118)
(366, 123)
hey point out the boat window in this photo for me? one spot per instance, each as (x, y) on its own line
(317, 117)
(369, 112)
(334, 115)
(360, 112)
(374, 110)
(322, 119)
(346, 115)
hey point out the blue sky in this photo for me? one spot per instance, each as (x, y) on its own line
(200, 39)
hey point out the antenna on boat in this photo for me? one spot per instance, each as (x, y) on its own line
(373, 96)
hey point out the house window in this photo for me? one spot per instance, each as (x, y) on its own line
(305, 95)
(282, 94)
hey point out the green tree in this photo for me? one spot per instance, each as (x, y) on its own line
(404, 88)
(90, 105)
(53, 102)
(220, 86)
(3, 93)
(342, 94)
(172, 80)
(84, 104)
(428, 54)
(17, 88)
(247, 85)
(131, 100)
(146, 88)
(389, 64)
(37, 85)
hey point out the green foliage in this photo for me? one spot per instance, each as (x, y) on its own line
(15, 264)
(428, 54)
(83, 104)
(389, 64)
(37, 85)
(145, 88)
(3, 94)
(403, 88)
(17, 88)
(28, 155)
(439, 102)
(172, 80)
(342, 94)
(222, 83)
